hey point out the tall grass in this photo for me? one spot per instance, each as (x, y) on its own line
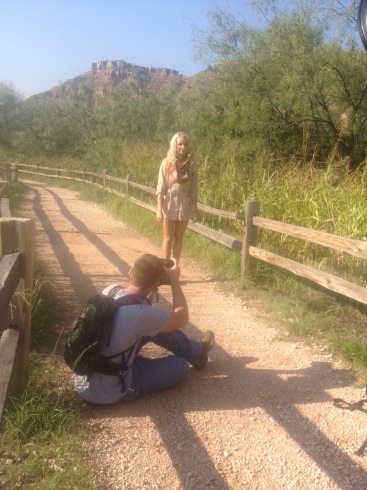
(331, 200)
(328, 200)
(40, 415)
(42, 313)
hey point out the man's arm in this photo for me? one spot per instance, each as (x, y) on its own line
(161, 188)
(180, 314)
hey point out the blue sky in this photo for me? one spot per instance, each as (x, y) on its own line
(46, 42)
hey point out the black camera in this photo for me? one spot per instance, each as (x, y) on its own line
(164, 278)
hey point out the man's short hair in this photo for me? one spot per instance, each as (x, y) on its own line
(147, 271)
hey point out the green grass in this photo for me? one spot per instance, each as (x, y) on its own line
(16, 194)
(352, 348)
(42, 314)
(34, 465)
(38, 414)
(40, 441)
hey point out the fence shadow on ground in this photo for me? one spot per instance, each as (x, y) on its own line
(219, 387)
(229, 383)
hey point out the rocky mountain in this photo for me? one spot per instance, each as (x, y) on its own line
(109, 73)
(103, 76)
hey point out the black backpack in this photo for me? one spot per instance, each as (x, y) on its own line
(91, 333)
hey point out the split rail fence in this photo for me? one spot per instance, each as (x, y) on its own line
(8, 174)
(247, 247)
(16, 283)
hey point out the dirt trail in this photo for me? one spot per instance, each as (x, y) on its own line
(259, 416)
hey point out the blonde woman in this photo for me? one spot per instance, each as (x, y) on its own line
(176, 194)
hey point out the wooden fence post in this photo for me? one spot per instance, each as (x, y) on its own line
(6, 171)
(104, 173)
(24, 229)
(4, 189)
(4, 200)
(14, 172)
(17, 235)
(252, 208)
(7, 238)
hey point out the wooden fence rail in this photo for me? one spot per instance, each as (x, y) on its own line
(252, 222)
(356, 248)
(16, 283)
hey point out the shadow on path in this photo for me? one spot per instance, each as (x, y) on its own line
(231, 384)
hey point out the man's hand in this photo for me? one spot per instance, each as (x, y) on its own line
(174, 272)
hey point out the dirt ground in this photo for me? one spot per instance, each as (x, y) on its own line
(259, 416)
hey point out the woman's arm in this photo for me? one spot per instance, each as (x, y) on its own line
(160, 189)
(159, 216)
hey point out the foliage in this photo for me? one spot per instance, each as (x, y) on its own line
(54, 128)
(9, 96)
(295, 94)
(292, 88)
(43, 292)
(41, 415)
(9, 100)
(40, 440)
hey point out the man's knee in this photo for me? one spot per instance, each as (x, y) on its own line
(180, 367)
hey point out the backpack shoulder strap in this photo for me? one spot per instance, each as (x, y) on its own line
(126, 300)
(132, 299)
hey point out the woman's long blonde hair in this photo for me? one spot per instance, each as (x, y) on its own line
(171, 153)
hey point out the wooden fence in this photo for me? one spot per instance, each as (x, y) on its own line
(4, 199)
(251, 223)
(16, 283)
(8, 174)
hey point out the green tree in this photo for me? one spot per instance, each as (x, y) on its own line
(290, 91)
(9, 100)
(53, 126)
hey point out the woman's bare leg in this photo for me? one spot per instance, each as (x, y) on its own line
(168, 232)
(179, 231)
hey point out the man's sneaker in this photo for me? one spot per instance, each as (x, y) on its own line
(207, 344)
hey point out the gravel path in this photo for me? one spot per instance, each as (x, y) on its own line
(259, 416)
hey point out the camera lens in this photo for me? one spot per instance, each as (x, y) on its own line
(164, 279)
(167, 263)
